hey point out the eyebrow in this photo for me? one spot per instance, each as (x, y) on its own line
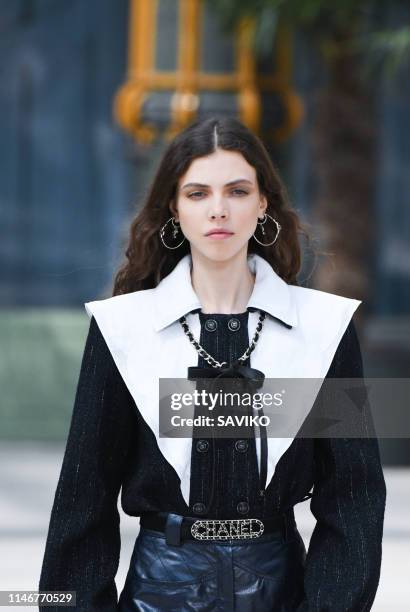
(240, 180)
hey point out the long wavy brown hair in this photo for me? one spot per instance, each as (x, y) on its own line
(148, 261)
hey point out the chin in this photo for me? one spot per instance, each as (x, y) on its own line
(220, 254)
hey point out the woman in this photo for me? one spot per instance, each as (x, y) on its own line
(209, 292)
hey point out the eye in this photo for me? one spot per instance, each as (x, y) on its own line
(194, 193)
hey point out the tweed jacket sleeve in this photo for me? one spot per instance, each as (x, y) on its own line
(83, 543)
(344, 556)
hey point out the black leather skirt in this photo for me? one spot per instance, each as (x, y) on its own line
(262, 574)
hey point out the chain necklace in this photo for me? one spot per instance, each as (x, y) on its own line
(213, 362)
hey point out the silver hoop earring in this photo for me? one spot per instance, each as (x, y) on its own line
(261, 223)
(174, 233)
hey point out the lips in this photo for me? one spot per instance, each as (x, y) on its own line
(219, 232)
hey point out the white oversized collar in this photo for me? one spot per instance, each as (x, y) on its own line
(300, 336)
(174, 296)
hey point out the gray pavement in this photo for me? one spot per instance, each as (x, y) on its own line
(28, 477)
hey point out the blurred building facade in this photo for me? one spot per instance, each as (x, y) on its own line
(71, 175)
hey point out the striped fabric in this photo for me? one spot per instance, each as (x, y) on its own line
(110, 446)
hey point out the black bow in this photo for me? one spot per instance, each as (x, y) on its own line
(253, 376)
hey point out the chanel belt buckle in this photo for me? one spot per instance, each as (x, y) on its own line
(229, 529)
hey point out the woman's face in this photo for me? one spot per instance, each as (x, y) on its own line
(219, 191)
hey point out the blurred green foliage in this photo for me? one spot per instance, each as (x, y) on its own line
(334, 26)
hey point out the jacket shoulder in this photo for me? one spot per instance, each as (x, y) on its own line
(317, 297)
(323, 316)
(121, 317)
(122, 304)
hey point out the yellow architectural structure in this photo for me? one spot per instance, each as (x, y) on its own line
(189, 80)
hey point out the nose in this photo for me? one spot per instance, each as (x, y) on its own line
(218, 211)
(221, 215)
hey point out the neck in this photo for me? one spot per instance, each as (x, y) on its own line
(222, 287)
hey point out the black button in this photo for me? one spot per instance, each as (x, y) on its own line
(210, 325)
(199, 508)
(234, 324)
(243, 507)
(202, 446)
(241, 445)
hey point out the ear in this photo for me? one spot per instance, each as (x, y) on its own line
(173, 208)
(263, 205)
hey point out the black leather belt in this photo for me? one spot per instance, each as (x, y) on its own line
(178, 528)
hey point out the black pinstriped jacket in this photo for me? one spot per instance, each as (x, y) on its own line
(111, 446)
